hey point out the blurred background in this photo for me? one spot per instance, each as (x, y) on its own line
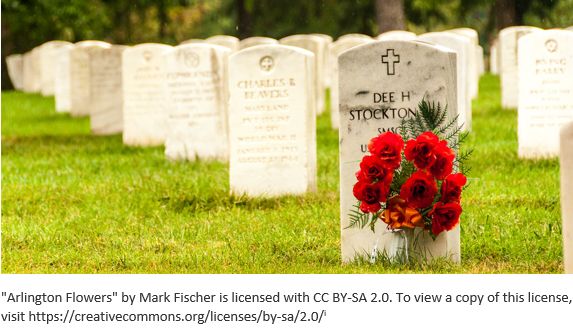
(28, 23)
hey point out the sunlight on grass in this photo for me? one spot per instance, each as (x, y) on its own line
(77, 203)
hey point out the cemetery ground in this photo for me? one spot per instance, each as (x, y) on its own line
(77, 203)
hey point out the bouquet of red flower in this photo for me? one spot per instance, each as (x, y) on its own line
(413, 185)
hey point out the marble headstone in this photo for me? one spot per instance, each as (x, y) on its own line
(326, 58)
(62, 89)
(106, 90)
(380, 84)
(545, 76)
(508, 38)
(463, 47)
(144, 102)
(272, 121)
(566, 160)
(229, 42)
(354, 35)
(337, 48)
(15, 66)
(27, 72)
(318, 47)
(396, 35)
(256, 40)
(192, 41)
(196, 91)
(48, 58)
(494, 58)
(80, 76)
(473, 58)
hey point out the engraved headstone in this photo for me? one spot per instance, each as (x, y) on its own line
(62, 89)
(508, 38)
(196, 91)
(545, 64)
(566, 160)
(48, 58)
(272, 121)
(396, 35)
(318, 47)
(15, 66)
(144, 111)
(382, 83)
(326, 58)
(106, 90)
(229, 42)
(463, 47)
(337, 48)
(80, 76)
(256, 40)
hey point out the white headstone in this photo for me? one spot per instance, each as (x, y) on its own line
(62, 88)
(494, 57)
(508, 38)
(326, 58)
(462, 46)
(382, 83)
(15, 66)
(80, 76)
(318, 47)
(48, 58)
(192, 41)
(27, 72)
(473, 58)
(480, 61)
(196, 91)
(396, 35)
(256, 40)
(272, 121)
(106, 90)
(36, 71)
(144, 111)
(566, 160)
(337, 48)
(354, 35)
(229, 42)
(545, 62)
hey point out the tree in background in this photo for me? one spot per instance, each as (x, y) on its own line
(390, 15)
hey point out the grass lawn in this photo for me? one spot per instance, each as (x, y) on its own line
(77, 203)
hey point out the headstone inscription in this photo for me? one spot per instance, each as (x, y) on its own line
(196, 91)
(566, 160)
(317, 46)
(272, 121)
(380, 84)
(48, 58)
(144, 111)
(462, 46)
(106, 90)
(545, 78)
(80, 76)
(508, 38)
(15, 66)
(62, 88)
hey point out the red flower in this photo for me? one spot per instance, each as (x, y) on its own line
(445, 216)
(372, 169)
(452, 187)
(388, 147)
(419, 190)
(444, 161)
(370, 195)
(421, 150)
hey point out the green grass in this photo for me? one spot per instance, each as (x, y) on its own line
(76, 203)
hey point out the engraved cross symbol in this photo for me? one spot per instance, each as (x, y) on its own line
(390, 59)
(266, 63)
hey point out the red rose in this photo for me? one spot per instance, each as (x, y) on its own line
(452, 187)
(370, 195)
(445, 216)
(388, 147)
(372, 169)
(444, 161)
(419, 190)
(421, 150)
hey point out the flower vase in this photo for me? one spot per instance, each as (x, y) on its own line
(399, 244)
